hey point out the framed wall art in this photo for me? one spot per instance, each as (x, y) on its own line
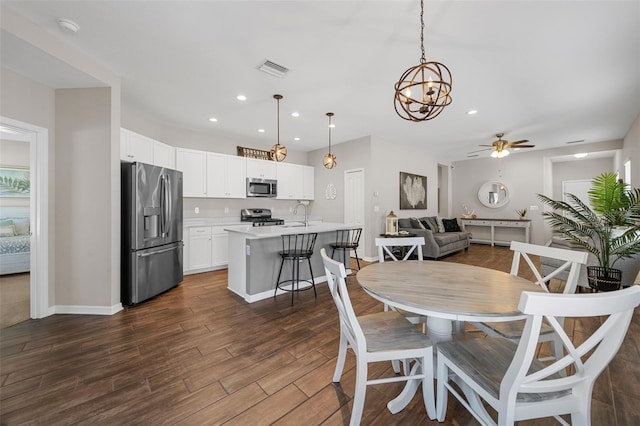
(14, 182)
(413, 191)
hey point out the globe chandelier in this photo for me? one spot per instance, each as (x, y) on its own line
(424, 90)
(329, 160)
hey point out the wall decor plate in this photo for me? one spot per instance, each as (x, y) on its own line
(330, 193)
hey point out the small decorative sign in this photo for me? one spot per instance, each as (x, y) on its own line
(254, 153)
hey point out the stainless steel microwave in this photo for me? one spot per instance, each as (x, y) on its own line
(262, 187)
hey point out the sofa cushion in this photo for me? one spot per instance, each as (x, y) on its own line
(415, 223)
(450, 225)
(444, 238)
(404, 223)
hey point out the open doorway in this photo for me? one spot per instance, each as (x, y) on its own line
(23, 214)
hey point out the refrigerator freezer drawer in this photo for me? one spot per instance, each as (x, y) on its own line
(152, 271)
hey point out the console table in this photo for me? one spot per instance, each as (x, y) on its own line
(498, 223)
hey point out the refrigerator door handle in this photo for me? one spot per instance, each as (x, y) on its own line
(153, 253)
(167, 204)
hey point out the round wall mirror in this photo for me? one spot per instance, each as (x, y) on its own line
(493, 194)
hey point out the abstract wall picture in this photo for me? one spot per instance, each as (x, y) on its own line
(14, 182)
(413, 191)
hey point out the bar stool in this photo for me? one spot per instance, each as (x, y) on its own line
(347, 240)
(296, 248)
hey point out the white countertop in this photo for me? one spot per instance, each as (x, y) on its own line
(210, 221)
(288, 228)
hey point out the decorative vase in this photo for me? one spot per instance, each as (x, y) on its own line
(604, 279)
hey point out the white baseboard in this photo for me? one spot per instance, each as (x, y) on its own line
(87, 309)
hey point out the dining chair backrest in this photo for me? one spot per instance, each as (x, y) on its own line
(385, 244)
(336, 281)
(572, 260)
(588, 359)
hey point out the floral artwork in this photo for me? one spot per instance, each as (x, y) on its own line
(413, 191)
(14, 182)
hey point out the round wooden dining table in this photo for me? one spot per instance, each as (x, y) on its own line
(444, 292)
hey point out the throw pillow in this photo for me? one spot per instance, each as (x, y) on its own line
(450, 225)
(440, 224)
(415, 223)
(426, 224)
(433, 223)
(7, 231)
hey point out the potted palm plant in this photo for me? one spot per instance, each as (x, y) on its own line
(610, 230)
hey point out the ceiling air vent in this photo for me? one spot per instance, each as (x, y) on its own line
(273, 69)
(569, 143)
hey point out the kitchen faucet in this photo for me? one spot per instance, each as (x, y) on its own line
(295, 211)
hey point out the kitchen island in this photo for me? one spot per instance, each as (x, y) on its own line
(254, 261)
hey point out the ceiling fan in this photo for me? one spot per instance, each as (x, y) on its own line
(500, 146)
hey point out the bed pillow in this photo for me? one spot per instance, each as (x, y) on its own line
(7, 230)
(21, 225)
(450, 225)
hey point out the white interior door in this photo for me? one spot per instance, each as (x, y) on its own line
(579, 188)
(354, 204)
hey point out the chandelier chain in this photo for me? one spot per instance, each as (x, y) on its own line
(423, 59)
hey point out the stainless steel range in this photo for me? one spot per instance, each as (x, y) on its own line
(259, 217)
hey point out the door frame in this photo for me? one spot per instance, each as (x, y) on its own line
(39, 214)
(363, 238)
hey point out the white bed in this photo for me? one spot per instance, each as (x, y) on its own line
(15, 244)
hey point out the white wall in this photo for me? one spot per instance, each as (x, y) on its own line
(581, 169)
(631, 151)
(25, 100)
(523, 173)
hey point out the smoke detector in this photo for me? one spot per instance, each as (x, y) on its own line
(67, 25)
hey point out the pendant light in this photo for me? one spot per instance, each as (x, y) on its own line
(278, 152)
(424, 90)
(329, 160)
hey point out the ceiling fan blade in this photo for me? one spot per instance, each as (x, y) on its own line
(480, 150)
(521, 146)
(490, 146)
(518, 142)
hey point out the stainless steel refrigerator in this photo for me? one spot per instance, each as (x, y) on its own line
(151, 231)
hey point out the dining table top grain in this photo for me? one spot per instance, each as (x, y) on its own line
(446, 290)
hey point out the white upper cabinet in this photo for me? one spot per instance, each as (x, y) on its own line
(225, 176)
(308, 183)
(193, 165)
(295, 182)
(262, 169)
(164, 155)
(135, 147)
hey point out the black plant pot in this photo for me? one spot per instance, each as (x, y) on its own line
(604, 279)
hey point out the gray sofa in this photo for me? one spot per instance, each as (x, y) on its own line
(629, 267)
(437, 244)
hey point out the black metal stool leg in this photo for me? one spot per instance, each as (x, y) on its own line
(293, 276)
(313, 281)
(278, 280)
(357, 258)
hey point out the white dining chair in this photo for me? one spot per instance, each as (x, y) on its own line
(382, 336)
(570, 260)
(507, 376)
(385, 245)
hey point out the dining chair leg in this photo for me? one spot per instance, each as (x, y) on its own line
(427, 386)
(342, 356)
(441, 390)
(359, 393)
(395, 364)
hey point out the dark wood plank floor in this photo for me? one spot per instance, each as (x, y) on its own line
(200, 355)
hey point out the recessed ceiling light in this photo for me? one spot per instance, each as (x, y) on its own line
(472, 112)
(213, 120)
(581, 154)
(260, 130)
(295, 114)
(68, 25)
(241, 97)
(332, 125)
(296, 139)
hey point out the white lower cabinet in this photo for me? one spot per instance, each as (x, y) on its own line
(207, 249)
